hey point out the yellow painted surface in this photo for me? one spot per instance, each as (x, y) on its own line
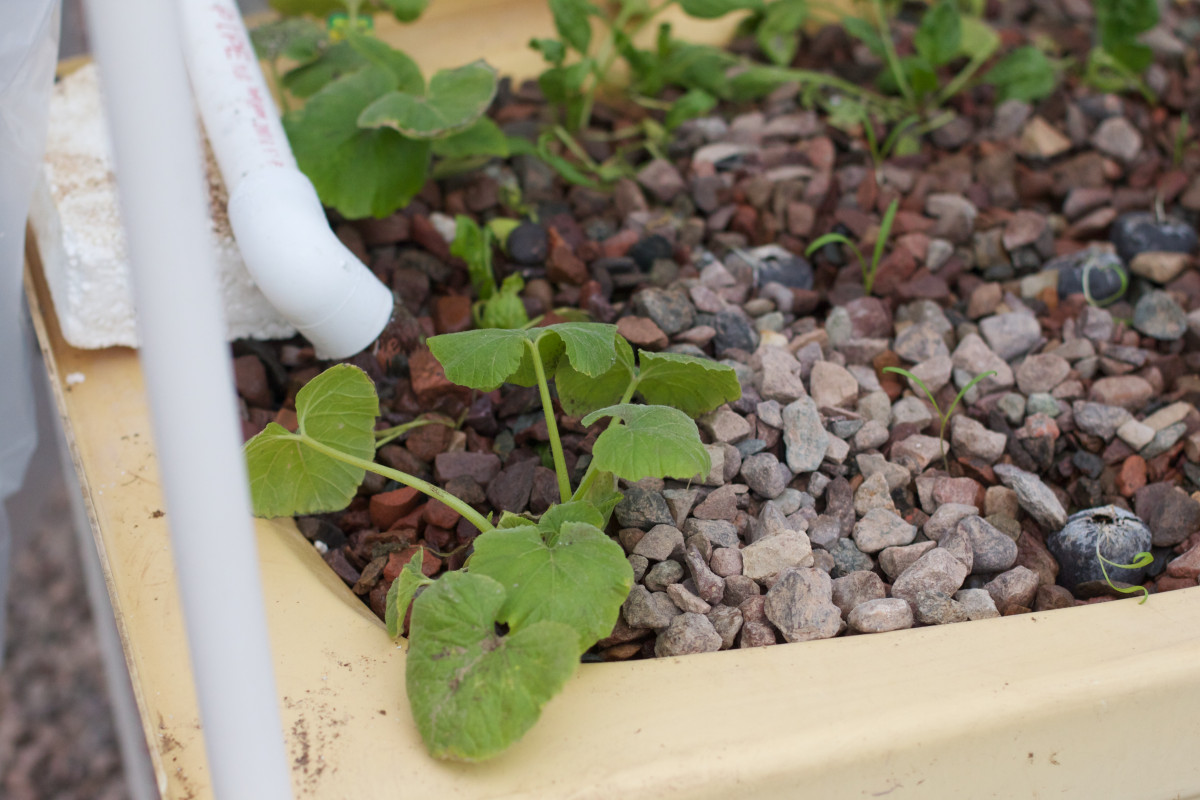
(1097, 702)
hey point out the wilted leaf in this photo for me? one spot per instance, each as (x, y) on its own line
(472, 691)
(574, 574)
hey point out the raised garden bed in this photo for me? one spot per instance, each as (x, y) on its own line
(925, 712)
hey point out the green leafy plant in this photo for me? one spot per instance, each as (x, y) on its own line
(949, 412)
(944, 38)
(497, 307)
(490, 644)
(868, 268)
(1117, 59)
(1142, 559)
(370, 124)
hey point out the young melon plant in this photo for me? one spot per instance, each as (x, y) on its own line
(490, 644)
(370, 125)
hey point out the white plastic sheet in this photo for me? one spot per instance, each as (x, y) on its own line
(28, 53)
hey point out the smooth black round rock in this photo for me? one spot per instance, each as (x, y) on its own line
(649, 248)
(528, 245)
(1142, 232)
(734, 332)
(1104, 273)
(1121, 534)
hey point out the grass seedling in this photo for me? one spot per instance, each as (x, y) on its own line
(944, 417)
(555, 584)
(1142, 559)
(869, 268)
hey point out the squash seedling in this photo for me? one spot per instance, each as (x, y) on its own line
(489, 645)
(370, 124)
(943, 416)
(868, 268)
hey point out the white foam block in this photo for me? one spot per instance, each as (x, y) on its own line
(75, 218)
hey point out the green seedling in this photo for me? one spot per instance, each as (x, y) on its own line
(1085, 281)
(1118, 59)
(944, 417)
(868, 268)
(489, 645)
(581, 67)
(370, 125)
(947, 37)
(1142, 559)
(496, 307)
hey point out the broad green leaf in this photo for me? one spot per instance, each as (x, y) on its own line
(693, 385)
(1131, 16)
(296, 38)
(455, 100)
(711, 9)
(359, 172)
(484, 138)
(697, 66)
(336, 61)
(406, 10)
(287, 477)
(590, 346)
(402, 590)
(1024, 74)
(581, 394)
(473, 692)
(505, 309)
(978, 40)
(655, 441)
(1133, 56)
(575, 511)
(405, 72)
(777, 33)
(572, 23)
(576, 576)
(481, 359)
(694, 103)
(940, 34)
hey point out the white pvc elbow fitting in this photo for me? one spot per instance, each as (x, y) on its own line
(298, 263)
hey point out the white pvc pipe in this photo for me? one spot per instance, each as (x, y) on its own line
(190, 390)
(302, 268)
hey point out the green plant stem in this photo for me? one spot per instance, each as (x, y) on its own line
(606, 56)
(889, 50)
(1140, 560)
(963, 77)
(426, 488)
(560, 464)
(387, 435)
(574, 147)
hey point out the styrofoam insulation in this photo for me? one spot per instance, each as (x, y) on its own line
(75, 218)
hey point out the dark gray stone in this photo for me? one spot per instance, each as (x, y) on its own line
(643, 508)
(1104, 278)
(648, 248)
(528, 245)
(1120, 534)
(734, 331)
(1141, 232)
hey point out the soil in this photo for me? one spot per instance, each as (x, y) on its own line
(829, 509)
